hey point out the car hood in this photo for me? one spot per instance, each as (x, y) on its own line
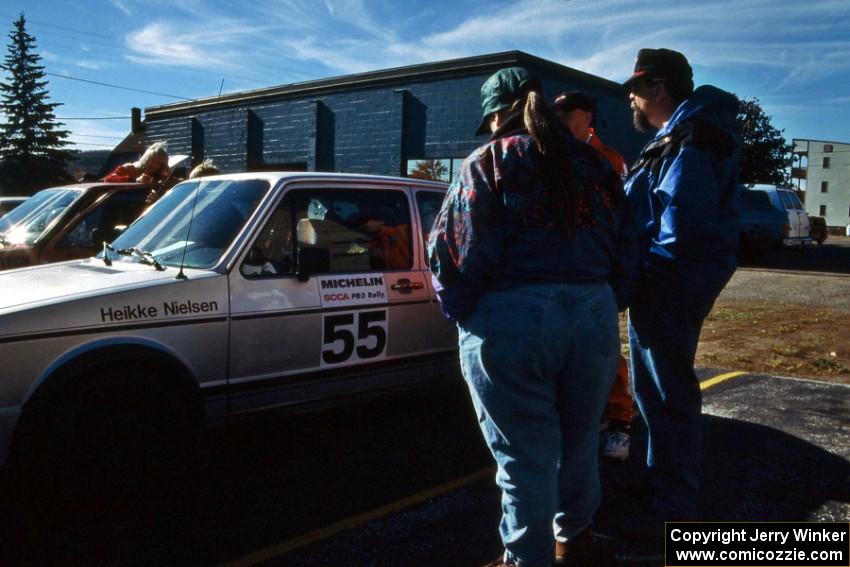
(77, 279)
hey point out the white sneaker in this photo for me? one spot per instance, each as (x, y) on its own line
(615, 445)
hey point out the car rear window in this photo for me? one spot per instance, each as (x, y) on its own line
(790, 200)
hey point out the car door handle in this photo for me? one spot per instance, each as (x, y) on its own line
(406, 286)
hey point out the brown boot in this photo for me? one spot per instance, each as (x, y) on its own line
(583, 551)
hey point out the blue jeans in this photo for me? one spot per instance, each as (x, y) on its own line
(665, 320)
(539, 361)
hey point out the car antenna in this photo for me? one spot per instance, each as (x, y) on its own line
(180, 275)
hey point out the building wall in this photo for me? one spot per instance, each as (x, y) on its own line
(836, 199)
(370, 129)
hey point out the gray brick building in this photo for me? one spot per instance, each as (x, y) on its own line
(381, 122)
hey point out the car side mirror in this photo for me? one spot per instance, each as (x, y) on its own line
(313, 261)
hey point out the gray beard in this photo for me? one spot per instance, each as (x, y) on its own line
(640, 120)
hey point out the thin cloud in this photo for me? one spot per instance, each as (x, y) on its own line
(161, 43)
(122, 7)
(93, 65)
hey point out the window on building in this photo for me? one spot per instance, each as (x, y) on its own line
(824, 186)
(822, 212)
(827, 148)
(437, 169)
(826, 163)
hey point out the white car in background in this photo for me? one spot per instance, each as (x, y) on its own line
(798, 229)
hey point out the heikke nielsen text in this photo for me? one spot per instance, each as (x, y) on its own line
(139, 312)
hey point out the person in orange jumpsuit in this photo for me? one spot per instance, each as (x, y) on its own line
(390, 245)
(575, 110)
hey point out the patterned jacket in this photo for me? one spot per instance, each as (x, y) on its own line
(495, 229)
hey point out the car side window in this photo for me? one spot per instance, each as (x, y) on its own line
(272, 254)
(106, 221)
(755, 201)
(428, 203)
(359, 230)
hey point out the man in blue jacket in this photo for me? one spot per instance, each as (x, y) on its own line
(682, 194)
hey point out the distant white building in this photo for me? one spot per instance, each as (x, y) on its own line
(824, 167)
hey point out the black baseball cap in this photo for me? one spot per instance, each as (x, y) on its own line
(661, 64)
(572, 101)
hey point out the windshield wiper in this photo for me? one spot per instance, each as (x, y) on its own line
(146, 256)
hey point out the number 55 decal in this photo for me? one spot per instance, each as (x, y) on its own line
(354, 336)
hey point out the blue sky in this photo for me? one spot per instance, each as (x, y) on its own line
(793, 55)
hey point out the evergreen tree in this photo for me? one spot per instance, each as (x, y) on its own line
(764, 153)
(33, 152)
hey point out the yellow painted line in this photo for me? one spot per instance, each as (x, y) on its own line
(347, 524)
(719, 379)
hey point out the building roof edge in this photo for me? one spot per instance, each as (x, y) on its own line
(423, 70)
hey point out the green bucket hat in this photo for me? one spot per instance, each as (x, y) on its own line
(500, 91)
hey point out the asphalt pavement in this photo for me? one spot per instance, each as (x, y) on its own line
(833, 256)
(775, 449)
(407, 481)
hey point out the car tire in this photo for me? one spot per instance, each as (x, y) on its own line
(114, 452)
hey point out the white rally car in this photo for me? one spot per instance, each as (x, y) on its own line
(231, 294)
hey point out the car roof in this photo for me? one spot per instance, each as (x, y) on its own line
(97, 185)
(275, 176)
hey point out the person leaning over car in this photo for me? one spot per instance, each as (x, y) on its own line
(522, 252)
(684, 199)
(152, 167)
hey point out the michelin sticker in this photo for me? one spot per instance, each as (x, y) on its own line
(352, 289)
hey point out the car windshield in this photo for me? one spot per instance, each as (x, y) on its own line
(24, 224)
(169, 230)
